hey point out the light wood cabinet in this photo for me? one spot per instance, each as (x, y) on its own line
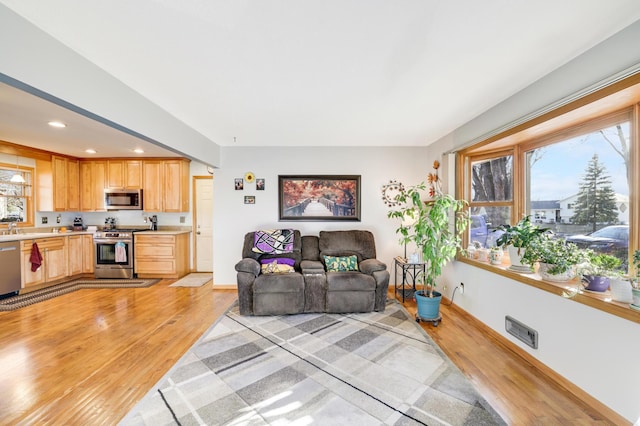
(58, 184)
(152, 192)
(166, 185)
(54, 261)
(93, 176)
(88, 254)
(161, 255)
(176, 180)
(124, 174)
(74, 248)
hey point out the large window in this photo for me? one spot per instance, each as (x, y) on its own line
(573, 170)
(579, 187)
(15, 196)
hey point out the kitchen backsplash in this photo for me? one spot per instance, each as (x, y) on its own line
(123, 218)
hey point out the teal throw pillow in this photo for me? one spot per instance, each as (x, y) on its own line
(341, 263)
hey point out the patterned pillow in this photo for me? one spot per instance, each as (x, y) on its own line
(341, 263)
(276, 266)
(273, 241)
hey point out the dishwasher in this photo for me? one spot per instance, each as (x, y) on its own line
(10, 282)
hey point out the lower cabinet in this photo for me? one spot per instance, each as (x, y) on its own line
(54, 261)
(81, 254)
(161, 255)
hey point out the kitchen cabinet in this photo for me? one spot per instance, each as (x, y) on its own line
(58, 184)
(80, 254)
(88, 254)
(124, 174)
(176, 180)
(54, 261)
(161, 255)
(152, 192)
(93, 176)
(74, 248)
(166, 185)
(66, 184)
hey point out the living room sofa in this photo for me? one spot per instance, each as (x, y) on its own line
(323, 276)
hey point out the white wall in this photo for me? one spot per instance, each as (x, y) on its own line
(233, 219)
(34, 58)
(596, 351)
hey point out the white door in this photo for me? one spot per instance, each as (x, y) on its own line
(203, 204)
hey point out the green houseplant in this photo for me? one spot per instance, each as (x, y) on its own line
(636, 288)
(598, 270)
(437, 238)
(557, 258)
(516, 238)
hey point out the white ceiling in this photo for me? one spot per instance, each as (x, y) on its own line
(330, 72)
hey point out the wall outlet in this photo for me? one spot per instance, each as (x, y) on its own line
(58, 219)
(45, 219)
(182, 219)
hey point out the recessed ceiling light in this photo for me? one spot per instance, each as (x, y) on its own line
(57, 124)
(90, 151)
(138, 151)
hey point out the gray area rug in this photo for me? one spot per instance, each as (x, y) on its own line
(29, 298)
(322, 369)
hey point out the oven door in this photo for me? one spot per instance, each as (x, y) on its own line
(113, 253)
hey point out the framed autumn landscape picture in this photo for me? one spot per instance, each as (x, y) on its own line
(319, 197)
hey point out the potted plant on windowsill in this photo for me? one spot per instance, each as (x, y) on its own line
(635, 304)
(433, 233)
(516, 238)
(598, 271)
(557, 258)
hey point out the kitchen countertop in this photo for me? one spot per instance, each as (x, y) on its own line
(32, 235)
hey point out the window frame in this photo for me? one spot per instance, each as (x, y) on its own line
(591, 112)
(30, 198)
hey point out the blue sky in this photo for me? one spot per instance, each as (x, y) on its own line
(559, 172)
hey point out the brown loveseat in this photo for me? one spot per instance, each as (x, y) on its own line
(311, 287)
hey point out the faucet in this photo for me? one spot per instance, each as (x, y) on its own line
(13, 228)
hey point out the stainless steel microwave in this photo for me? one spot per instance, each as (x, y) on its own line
(123, 199)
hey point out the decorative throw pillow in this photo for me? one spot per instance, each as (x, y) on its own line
(341, 263)
(276, 266)
(273, 241)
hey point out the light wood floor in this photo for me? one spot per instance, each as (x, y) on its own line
(87, 357)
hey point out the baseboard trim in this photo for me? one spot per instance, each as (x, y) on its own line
(576, 391)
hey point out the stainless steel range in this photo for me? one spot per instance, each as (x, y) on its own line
(114, 253)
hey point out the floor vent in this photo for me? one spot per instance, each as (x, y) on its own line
(528, 335)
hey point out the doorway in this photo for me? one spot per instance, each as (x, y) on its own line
(203, 223)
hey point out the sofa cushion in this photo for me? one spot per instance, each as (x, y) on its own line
(276, 266)
(279, 283)
(341, 243)
(350, 281)
(341, 263)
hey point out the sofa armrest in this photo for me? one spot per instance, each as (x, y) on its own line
(312, 267)
(250, 266)
(369, 266)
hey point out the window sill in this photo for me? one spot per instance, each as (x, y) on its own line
(601, 302)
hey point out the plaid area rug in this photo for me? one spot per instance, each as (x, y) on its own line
(40, 295)
(376, 368)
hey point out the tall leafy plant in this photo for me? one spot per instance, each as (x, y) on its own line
(437, 224)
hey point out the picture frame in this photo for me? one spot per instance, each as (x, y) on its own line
(260, 183)
(238, 184)
(249, 199)
(319, 197)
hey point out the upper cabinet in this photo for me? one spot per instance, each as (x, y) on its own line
(166, 185)
(93, 178)
(58, 184)
(124, 174)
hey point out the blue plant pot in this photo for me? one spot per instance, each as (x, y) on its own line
(428, 307)
(596, 282)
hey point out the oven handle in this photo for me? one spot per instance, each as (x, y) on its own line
(112, 240)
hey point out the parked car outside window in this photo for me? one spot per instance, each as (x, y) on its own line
(613, 240)
(480, 231)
